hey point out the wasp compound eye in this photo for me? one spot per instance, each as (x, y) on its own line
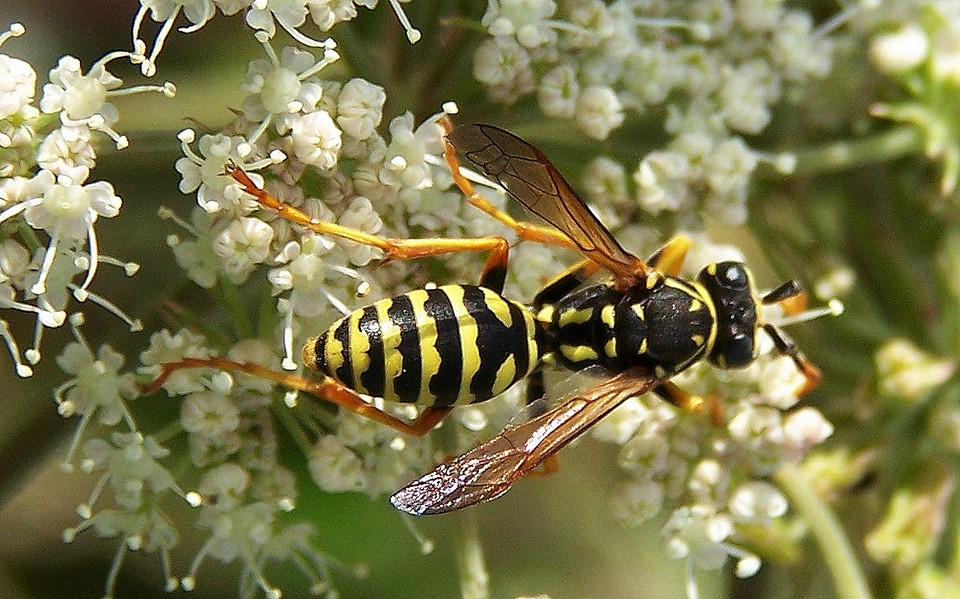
(732, 275)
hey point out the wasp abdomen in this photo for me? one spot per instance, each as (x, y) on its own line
(442, 346)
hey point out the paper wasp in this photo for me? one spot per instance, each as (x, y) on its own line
(457, 344)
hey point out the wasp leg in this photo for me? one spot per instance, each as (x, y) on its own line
(325, 388)
(674, 394)
(565, 282)
(526, 231)
(789, 295)
(786, 346)
(394, 249)
(669, 258)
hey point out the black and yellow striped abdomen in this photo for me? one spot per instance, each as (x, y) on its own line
(447, 345)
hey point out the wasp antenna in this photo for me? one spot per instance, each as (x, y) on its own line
(833, 308)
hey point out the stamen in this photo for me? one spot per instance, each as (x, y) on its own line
(135, 324)
(149, 67)
(413, 34)
(111, 585)
(23, 371)
(15, 30)
(92, 262)
(299, 36)
(833, 308)
(288, 363)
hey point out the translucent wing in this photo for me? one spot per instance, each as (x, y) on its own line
(487, 471)
(530, 178)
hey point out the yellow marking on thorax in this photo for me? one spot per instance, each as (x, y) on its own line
(533, 350)
(712, 309)
(608, 316)
(546, 314)
(638, 310)
(610, 348)
(579, 353)
(696, 305)
(575, 316)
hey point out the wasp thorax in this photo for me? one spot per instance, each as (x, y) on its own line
(731, 290)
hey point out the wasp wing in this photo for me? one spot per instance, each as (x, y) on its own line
(533, 180)
(487, 471)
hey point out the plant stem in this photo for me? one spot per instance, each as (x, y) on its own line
(836, 549)
(902, 140)
(474, 578)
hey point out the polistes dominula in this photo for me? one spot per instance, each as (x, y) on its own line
(459, 344)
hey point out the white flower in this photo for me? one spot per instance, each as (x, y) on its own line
(805, 428)
(132, 466)
(18, 85)
(746, 95)
(405, 162)
(598, 111)
(67, 151)
(278, 88)
(195, 256)
(241, 246)
(225, 486)
(334, 467)
(360, 215)
(524, 19)
(209, 413)
(699, 534)
(360, 108)
(96, 384)
(305, 277)
(504, 65)
(316, 140)
(327, 13)
(558, 92)
(289, 14)
(202, 172)
(900, 51)
(637, 501)
(605, 182)
(661, 182)
(82, 99)
(70, 210)
(757, 501)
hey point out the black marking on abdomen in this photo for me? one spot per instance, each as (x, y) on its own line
(406, 385)
(445, 383)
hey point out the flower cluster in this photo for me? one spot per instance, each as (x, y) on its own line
(48, 204)
(714, 68)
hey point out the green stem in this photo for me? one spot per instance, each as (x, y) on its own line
(837, 552)
(899, 141)
(474, 579)
(229, 295)
(285, 415)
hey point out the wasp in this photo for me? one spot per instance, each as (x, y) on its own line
(458, 344)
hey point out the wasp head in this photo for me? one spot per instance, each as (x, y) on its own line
(730, 288)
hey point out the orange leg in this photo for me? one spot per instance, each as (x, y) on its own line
(395, 249)
(325, 388)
